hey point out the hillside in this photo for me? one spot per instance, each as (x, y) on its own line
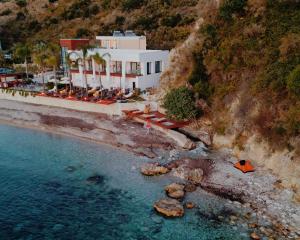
(246, 76)
(164, 22)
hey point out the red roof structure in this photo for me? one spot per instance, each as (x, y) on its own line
(73, 44)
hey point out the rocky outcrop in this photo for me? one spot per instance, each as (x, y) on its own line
(194, 176)
(169, 207)
(152, 169)
(175, 190)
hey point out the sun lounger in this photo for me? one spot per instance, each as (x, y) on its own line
(147, 116)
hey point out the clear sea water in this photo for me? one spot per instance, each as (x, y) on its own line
(44, 194)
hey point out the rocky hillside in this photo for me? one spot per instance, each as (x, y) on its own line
(243, 64)
(165, 22)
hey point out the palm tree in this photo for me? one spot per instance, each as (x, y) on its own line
(100, 61)
(2, 59)
(53, 60)
(23, 52)
(39, 56)
(70, 63)
(84, 50)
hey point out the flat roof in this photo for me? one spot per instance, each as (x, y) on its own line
(118, 37)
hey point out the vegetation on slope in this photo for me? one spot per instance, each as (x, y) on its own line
(251, 54)
(165, 22)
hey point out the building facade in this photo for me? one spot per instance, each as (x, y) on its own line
(127, 64)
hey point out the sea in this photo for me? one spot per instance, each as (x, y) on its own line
(58, 187)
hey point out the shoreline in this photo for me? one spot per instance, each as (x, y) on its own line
(259, 190)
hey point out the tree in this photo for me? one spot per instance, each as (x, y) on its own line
(39, 56)
(100, 61)
(23, 52)
(180, 104)
(53, 59)
(293, 81)
(2, 59)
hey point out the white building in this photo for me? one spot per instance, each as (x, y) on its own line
(128, 65)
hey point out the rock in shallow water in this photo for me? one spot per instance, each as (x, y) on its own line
(189, 205)
(97, 179)
(169, 207)
(152, 169)
(254, 236)
(175, 190)
(190, 187)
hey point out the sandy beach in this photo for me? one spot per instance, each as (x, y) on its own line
(259, 192)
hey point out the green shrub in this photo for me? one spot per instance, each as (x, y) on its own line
(129, 5)
(231, 7)
(120, 20)
(6, 12)
(199, 78)
(82, 32)
(293, 82)
(21, 3)
(171, 21)
(180, 104)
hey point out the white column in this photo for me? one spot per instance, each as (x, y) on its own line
(153, 67)
(108, 72)
(94, 70)
(80, 67)
(144, 68)
(123, 80)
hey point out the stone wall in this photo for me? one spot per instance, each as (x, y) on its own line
(113, 109)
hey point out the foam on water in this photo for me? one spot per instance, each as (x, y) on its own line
(45, 194)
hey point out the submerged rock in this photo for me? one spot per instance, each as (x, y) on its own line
(169, 207)
(189, 205)
(152, 169)
(175, 190)
(254, 236)
(70, 169)
(97, 179)
(190, 187)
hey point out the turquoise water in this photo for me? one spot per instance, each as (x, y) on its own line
(45, 194)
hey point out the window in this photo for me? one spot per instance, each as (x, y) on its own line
(148, 68)
(158, 67)
(135, 68)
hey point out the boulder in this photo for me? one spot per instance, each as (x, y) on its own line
(195, 175)
(189, 205)
(152, 169)
(169, 207)
(190, 187)
(254, 236)
(175, 190)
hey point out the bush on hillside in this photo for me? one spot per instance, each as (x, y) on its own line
(129, 5)
(6, 12)
(180, 104)
(171, 21)
(293, 82)
(21, 3)
(231, 7)
(82, 32)
(199, 78)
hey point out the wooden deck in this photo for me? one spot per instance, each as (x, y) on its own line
(156, 118)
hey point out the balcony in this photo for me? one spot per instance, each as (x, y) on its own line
(113, 74)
